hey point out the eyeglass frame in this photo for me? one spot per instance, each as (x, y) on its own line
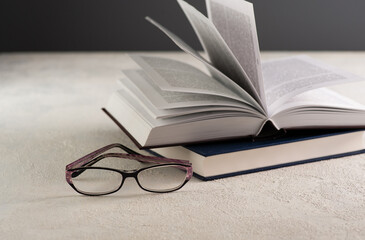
(86, 162)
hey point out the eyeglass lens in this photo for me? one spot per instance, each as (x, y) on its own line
(97, 181)
(162, 178)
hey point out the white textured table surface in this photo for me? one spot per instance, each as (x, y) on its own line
(50, 115)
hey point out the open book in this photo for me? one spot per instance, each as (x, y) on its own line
(168, 102)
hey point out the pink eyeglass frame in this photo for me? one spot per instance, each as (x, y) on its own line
(77, 167)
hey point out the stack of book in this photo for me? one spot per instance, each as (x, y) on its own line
(210, 117)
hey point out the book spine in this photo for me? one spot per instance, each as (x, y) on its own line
(269, 130)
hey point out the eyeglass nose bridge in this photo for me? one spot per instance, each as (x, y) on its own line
(130, 173)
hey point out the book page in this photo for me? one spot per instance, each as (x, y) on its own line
(286, 78)
(171, 104)
(319, 108)
(235, 21)
(134, 102)
(321, 98)
(216, 74)
(183, 111)
(176, 76)
(219, 53)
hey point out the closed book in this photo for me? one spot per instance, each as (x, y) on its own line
(229, 158)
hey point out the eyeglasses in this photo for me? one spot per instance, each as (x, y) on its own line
(96, 174)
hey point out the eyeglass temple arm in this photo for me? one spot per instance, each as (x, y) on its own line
(140, 158)
(84, 160)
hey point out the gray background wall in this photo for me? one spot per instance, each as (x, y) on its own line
(83, 25)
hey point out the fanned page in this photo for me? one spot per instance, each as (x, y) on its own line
(219, 53)
(172, 75)
(216, 74)
(154, 117)
(167, 104)
(288, 77)
(235, 21)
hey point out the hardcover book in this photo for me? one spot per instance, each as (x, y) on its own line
(229, 158)
(167, 102)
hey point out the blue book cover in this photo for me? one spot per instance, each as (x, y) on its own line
(210, 149)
